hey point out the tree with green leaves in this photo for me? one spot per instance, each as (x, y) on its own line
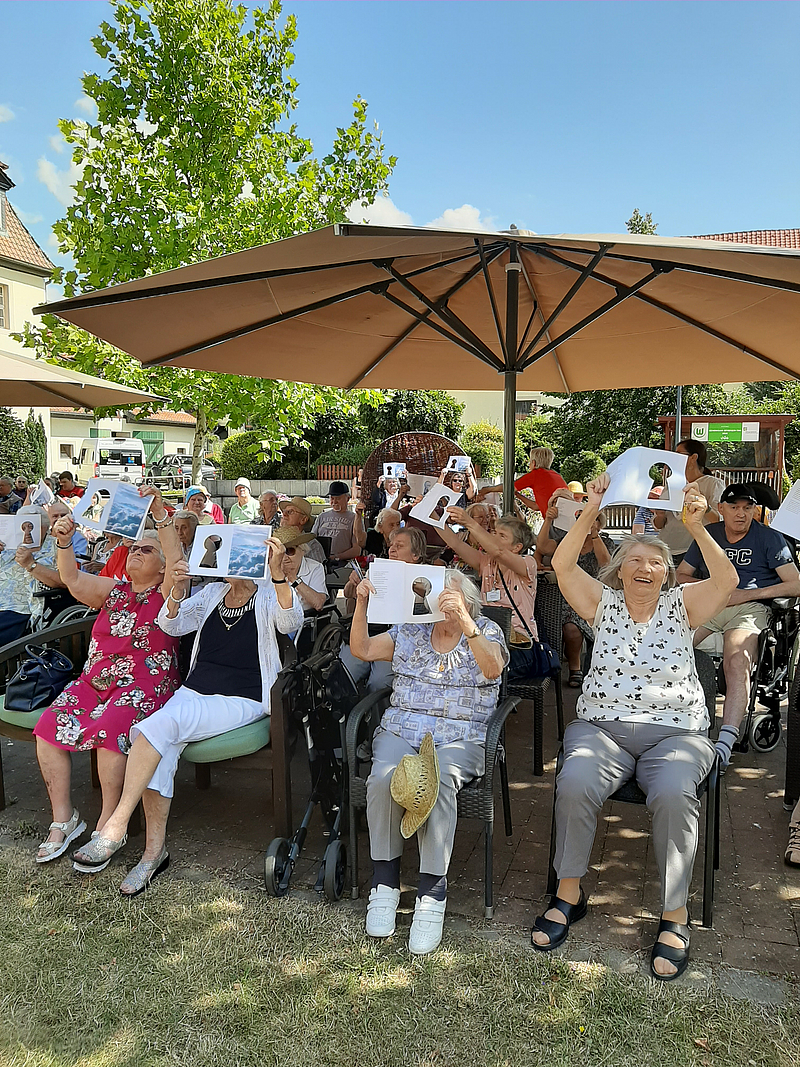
(194, 153)
(639, 223)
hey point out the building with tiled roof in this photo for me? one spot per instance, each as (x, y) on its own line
(24, 269)
(770, 238)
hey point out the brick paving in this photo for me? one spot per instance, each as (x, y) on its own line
(226, 829)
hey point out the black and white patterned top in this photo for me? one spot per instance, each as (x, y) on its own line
(643, 672)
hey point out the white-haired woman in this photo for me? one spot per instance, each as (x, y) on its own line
(540, 479)
(234, 664)
(130, 671)
(642, 713)
(446, 683)
(20, 571)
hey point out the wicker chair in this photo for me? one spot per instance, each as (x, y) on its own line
(548, 612)
(475, 800)
(425, 453)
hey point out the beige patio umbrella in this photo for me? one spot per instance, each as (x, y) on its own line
(402, 307)
(26, 382)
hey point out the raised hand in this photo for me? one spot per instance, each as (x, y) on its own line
(695, 506)
(452, 604)
(157, 509)
(596, 489)
(277, 553)
(64, 528)
(363, 590)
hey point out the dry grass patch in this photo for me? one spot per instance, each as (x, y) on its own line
(208, 975)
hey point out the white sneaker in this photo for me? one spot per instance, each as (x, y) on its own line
(426, 929)
(382, 911)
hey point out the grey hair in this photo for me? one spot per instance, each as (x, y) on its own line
(609, 575)
(34, 509)
(152, 537)
(6, 481)
(382, 515)
(542, 457)
(189, 515)
(268, 492)
(454, 579)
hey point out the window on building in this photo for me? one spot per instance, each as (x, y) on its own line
(525, 408)
(182, 452)
(65, 451)
(5, 323)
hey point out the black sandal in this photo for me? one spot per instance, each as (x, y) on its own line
(575, 680)
(557, 932)
(678, 956)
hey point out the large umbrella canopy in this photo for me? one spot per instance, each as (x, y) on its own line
(26, 382)
(399, 307)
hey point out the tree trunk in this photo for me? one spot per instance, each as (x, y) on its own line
(198, 445)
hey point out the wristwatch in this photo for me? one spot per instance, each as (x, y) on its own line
(296, 582)
(475, 633)
(32, 567)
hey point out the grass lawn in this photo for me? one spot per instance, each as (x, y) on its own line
(208, 975)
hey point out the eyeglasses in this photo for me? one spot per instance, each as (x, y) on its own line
(144, 549)
(291, 551)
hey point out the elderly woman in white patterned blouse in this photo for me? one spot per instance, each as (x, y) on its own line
(642, 714)
(446, 683)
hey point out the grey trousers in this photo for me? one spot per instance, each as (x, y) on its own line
(459, 763)
(380, 672)
(668, 764)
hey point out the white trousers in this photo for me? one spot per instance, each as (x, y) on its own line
(189, 716)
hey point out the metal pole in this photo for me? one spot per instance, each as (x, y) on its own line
(513, 268)
(678, 417)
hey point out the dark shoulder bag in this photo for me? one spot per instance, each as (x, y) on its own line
(39, 680)
(537, 661)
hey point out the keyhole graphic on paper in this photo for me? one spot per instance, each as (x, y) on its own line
(420, 588)
(211, 545)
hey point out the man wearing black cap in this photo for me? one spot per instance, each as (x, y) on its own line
(345, 528)
(766, 570)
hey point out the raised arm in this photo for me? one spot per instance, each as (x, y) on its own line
(90, 589)
(580, 590)
(491, 544)
(366, 648)
(463, 549)
(703, 599)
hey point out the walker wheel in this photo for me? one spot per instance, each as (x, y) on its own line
(335, 870)
(765, 732)
(275, 866)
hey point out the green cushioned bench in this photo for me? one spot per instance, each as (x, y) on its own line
(25, 720)
(242, 741)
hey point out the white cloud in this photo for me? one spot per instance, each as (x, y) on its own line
(465, 217)
(382, 212)
(27, 218)
(61, 183)
(145, 127)
(52, 241)
(6, 114)
(86, 105)
(57, 143)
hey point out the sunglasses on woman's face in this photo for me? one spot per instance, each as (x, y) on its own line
(144, 549)
(290, 551)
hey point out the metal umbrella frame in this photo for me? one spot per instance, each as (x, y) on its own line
(402, 307)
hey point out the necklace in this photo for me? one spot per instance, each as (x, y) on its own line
(230, 616)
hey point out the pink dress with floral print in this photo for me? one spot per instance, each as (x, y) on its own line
(130, 672)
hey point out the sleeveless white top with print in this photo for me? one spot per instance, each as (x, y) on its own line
(643, 672)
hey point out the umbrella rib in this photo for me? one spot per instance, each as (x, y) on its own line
(492, 301)
(716, 334)
(492, 362)
(448, 317)
(243, 331)
(496, 251)
(623, 293)
(538, 307)
(576, 285)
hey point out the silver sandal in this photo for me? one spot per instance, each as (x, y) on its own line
(71, 829)
(139, 878)
(97, 855)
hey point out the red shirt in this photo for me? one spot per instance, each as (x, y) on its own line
(76, 490)
(115, 565)
(543, 482)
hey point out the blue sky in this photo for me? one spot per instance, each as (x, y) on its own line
(556, 116)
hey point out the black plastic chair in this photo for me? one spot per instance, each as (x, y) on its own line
(475, 800)
(631, 793)
(549, 618)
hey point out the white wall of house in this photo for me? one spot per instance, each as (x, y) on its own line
(24, 291)
(488, 405)
(68, 431)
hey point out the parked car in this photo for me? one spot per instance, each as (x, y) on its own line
(175, 472)
(110, 457)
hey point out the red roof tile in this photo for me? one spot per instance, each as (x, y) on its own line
(17, 244)
(770, 238)
(176, 418)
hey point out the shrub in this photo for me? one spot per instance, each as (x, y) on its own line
(582, 467)
(238, 456)
(483, 443)
(355, 456)
(533, 432)
(23, 446)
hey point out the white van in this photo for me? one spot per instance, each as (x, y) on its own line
(110, 457)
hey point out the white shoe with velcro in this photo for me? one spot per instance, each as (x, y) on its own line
(382, 911)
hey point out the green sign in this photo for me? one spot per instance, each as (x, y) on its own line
(725, 431)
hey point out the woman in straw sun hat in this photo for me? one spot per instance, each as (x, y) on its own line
(429, 744)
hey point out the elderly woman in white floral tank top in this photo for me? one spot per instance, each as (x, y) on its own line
(642, 715)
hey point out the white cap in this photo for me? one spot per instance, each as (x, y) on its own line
(243, 481)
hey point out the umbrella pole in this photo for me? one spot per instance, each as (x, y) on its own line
(678, 417)
(513, 269)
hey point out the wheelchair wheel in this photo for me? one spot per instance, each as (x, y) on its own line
(335, 870)
(275, 866)
(73, 614)
(765, 732)
(329, 639)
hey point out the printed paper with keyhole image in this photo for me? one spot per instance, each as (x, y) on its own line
(458, 464)
(42, 494)
(394, 470)
(631, 482)
(21, 531)
(230, 551)
(404, 592)
(568, 512)
(431, 509)
(124, 511)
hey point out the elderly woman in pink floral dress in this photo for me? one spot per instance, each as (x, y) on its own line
(130, 672)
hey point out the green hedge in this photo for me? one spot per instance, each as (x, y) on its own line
(483, 443)
(238, 456)
(582, 467)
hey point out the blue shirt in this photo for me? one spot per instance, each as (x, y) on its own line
(756, 556)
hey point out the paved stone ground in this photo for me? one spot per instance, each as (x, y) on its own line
(226, 830)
